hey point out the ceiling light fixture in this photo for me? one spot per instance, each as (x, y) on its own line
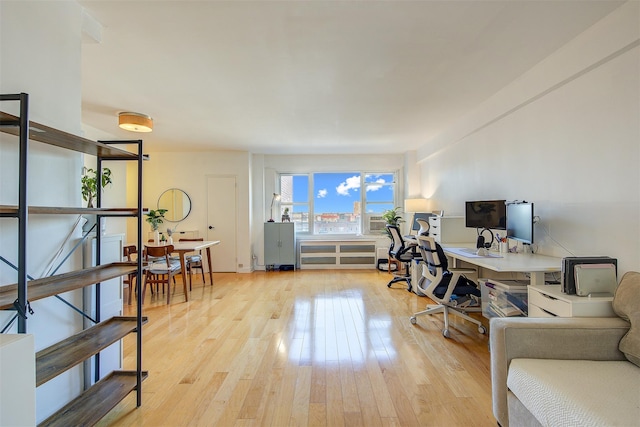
(135, 122)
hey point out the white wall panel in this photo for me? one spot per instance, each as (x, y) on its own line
(572, 148)
(40, 46)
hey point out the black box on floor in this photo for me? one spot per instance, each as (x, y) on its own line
(568, 278)
(287, 267)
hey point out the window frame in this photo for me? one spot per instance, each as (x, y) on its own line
(364, 217)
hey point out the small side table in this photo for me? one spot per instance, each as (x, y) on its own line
(549, 301)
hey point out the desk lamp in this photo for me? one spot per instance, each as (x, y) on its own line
(415, 205)
(275, 197)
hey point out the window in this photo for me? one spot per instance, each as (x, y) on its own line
(294, 194)
(379, 197)
(336, 203)
(332, 203)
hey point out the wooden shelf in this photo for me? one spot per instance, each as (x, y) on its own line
(8, 211)
(88, 408)
(98, 400)
(61, 283)
(12, 210)
(65, 354)
(51, 210)
(38, 132)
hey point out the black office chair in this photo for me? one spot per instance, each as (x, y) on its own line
(403, 253)
(448, 287)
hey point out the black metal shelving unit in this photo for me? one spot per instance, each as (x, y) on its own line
(97, 400)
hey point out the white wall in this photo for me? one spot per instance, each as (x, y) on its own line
(40, 55)
(115, 194)
(189, 172)
(566, 135)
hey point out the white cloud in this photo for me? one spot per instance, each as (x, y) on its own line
(352, 183)
(322, 193)
(376, 187)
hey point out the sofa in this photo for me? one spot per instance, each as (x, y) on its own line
(569, 371)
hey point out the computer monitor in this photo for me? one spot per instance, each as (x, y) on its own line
(415, 226)
(520, 222)
(486, 214)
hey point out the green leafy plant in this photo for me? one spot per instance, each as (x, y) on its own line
(155, 218)
(391, 217)
(89, 183)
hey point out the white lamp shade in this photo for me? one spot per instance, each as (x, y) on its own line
(416, 205)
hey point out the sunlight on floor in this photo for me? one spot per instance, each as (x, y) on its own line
(337, 328)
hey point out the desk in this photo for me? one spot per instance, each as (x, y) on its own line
(534, 264)
(185, 247)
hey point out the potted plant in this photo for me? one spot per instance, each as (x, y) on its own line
(89, 183)
(285, 215)
(155, 218)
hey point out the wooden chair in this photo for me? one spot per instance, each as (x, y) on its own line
(194, 261)
(161, 272)
(130, 279)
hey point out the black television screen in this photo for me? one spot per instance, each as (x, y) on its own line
(486, 214)
(520, 222)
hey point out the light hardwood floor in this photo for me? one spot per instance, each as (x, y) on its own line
(305, 348)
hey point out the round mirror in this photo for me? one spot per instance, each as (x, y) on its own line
(177, 203)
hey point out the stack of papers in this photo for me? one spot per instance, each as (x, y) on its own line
(506, 305)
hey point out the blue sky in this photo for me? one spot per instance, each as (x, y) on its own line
(337, 192)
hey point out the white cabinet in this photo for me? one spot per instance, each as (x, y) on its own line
(279, 243)
(549, 301)
(450, 229)
(318, 254)
(18, 375)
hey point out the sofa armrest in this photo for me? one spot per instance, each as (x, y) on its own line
(587, 338)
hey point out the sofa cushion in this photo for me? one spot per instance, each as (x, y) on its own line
(577, 392)
(626, 304)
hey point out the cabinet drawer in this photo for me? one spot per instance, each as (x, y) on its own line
(535, 311)
(552, 305)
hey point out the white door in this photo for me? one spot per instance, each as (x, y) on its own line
(221, 225)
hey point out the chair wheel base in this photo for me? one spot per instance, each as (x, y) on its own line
(413, 320)
(482, 329)
(446, 334)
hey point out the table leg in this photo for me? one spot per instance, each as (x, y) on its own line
(537, 278)
(183, 269)
(209, 261)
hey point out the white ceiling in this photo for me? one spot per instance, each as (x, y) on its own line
(298, 77)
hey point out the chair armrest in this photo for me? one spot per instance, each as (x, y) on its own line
(586, 338)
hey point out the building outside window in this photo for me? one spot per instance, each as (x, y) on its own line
(294, 194)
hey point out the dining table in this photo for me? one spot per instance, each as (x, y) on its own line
(187, 246)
